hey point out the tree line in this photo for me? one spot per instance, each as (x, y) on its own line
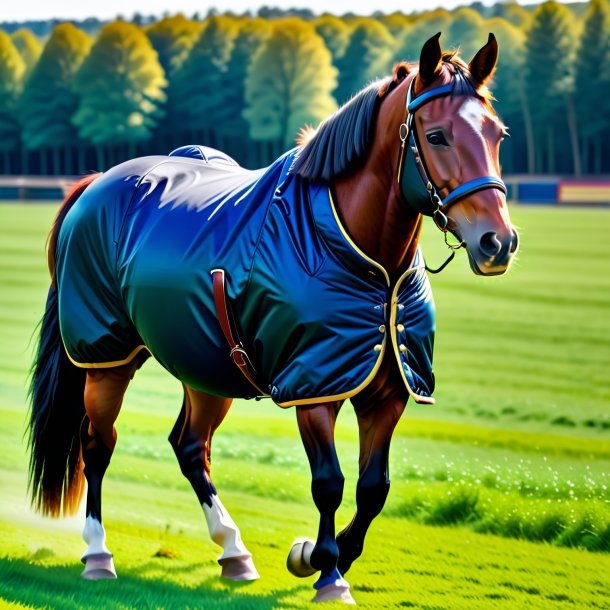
(247, 85)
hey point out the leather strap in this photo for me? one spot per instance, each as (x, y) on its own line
(238, 353)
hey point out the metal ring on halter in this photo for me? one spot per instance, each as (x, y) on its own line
(453, 246)
(403, 132)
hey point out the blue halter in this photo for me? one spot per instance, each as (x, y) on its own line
(415, 185)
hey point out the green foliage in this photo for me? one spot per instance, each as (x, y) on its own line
(251, 35)
(289, 82)
(425, 26)
(29, 47)
(466, 32)
(513, 12)
(397, 23)
(367, 57)
(12, 69)
(173, 38)
(592, 72)
(120, 85)
(548, 59)
(507, 90)
(196, 93)
(335, 33)
(49, 100)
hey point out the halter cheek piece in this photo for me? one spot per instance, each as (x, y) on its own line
(412, 178)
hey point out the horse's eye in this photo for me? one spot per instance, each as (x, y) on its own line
(437, 138)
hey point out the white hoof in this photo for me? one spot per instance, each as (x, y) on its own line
(99, 567)
(238, 568)
(337, 591)
(298, 562)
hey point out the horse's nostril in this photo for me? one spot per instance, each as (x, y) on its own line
(514, 242)
(490, 244)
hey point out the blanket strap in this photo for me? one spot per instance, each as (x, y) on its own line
(238, 353)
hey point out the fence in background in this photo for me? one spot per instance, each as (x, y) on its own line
(546, 190)
(556, 190)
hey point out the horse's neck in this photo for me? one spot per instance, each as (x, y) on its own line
(375, 217)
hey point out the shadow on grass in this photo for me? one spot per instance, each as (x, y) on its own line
(55, 586)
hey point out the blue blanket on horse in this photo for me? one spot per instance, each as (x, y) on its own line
(315, 314)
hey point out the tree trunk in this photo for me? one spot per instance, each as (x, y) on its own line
(56, 161)
(550, 142)
(573, 129)
(585, 155)
(81, 158)
(44, 161)
(68, 169)
(598, 155)
(25, 168)
(529, 134)
(101, 161)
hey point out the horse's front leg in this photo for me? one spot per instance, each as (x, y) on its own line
(377, 418)
(317, 427)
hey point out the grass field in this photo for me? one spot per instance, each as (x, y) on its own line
(497, 491)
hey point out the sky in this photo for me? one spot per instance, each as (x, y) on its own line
(22, 10)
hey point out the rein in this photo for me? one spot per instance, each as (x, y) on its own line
(413, 183)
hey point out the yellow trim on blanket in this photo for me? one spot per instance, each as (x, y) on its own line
(345, 395)
(393, 309)
(353, 244)
(107, 365)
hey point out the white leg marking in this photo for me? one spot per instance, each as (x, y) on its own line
(235, 559)
(97, 558)
(223, 530)
(95, 536)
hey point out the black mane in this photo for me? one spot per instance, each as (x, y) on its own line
(342, 140)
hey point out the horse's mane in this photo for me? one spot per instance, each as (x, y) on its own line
(341, 141)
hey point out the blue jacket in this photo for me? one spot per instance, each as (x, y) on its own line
(315, 314)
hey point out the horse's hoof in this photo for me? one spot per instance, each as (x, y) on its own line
(298, 562)
(99, 567)
(238, 568)
(337, 591)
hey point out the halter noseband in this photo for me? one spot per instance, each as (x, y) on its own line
(412, 178)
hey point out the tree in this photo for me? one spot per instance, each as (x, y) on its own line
(289, 82)
(466, 32)
(368, 56)
(173, 38)
(120, 85)
(12, 69)
(513, 13)
(592, 83)
(508, 84)
(196, 91)
(548, 70)
(29, 47)
(397, 23)
(49, 100)
(335, 33)
(252, 34)
(424, 26)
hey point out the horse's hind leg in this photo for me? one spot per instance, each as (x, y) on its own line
(104, 390)
(191, 439)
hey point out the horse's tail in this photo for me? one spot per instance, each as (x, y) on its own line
(56, 396)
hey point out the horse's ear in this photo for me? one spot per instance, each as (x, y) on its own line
(483, 64)
(400, 72)
(430, 61)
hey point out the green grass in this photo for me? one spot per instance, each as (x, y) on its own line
(511, 465)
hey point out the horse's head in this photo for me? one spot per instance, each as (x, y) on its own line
(450, 167)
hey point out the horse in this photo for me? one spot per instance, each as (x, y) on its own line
(303, 281)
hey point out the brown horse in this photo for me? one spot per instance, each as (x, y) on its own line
(422, 142)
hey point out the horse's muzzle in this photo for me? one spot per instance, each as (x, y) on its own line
(492, 254)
